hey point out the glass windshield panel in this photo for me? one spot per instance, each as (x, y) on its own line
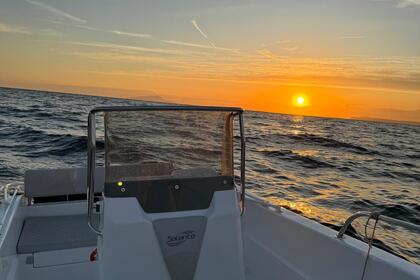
(143, 145)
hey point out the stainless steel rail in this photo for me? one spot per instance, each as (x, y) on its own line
(91, 164)
(378, 216)
(10, 201)
(242, 133)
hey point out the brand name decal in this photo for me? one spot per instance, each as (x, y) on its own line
(175, 240)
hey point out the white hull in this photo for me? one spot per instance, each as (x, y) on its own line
(278, 244)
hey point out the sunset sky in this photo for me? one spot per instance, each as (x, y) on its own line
(346, 58)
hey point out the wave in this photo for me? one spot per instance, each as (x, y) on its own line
(37, 143)
(36, 112)
(406, 175)
(329, 143)
(413, 156)
(305, 161)
(8, 172)
(63, 146)
(407, 212)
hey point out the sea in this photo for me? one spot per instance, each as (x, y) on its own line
(322, 168)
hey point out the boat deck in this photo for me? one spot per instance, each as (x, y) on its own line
(53, 241)
(40, 234)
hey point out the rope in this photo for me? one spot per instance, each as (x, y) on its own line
(376, 217)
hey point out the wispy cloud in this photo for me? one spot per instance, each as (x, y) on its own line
(290, 48)
(401, 3)
(187, 44)
(267, 54)
(194, 45)
(195, 24)
(125, 47)
(81, 26)
(140, 35)
(397, 73)
(55, 11)
(8, 28)
(406, 3)
(91, 28)
(51, 32)
(279, 42)
(111, 56)
(349, 37)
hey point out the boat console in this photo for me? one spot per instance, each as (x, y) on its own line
(173, 213)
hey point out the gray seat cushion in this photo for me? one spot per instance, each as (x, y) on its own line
(40, 234)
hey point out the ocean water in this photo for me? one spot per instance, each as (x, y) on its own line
(324, 169)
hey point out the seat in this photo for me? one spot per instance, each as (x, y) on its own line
(41, 183)
(40, 234)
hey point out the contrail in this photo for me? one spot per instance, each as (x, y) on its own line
(141, 35)
(194, 23)
(55, 11)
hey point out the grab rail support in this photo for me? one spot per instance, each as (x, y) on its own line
(378, 216)
(9, 202)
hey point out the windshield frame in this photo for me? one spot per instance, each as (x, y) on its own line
(91, 155)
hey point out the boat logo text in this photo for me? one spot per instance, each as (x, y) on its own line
(175, 240)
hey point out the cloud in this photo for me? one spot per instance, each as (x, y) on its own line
(195, 24)
(55, 11)
(406, 3)
(87, 27)
(290, 48)
(281, 42)
(349, 37)
(392, 74)
(194, 45)
(51, 32)
(140, 35)
(125, 47)
(8, 28)
(110, 56)
(81, 26)
(402, 3)
(179, 43)
(267, 54)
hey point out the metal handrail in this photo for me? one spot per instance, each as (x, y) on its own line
(242, 133)
(91, 164)
(10, 202)
(5, 189)
(377, 216)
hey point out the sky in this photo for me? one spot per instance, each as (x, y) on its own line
(344, 58)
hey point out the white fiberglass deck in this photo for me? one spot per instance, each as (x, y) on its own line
(277, 245)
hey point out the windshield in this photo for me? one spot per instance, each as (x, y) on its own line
(160, 144)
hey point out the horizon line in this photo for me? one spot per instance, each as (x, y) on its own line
(365, 119)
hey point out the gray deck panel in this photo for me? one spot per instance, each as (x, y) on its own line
(40, 234)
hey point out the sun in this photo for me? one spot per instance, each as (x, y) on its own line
(300, 100)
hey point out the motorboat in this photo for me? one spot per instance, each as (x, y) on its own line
(163, 197)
